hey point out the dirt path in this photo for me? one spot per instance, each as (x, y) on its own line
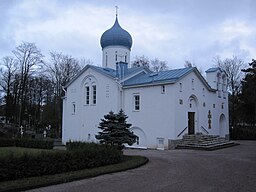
(231, 169)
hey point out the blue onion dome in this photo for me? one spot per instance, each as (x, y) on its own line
(116, 35)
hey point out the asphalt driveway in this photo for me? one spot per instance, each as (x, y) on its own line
(226, 170)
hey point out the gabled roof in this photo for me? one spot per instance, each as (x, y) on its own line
(136, 77)
(105, 71)
(170, 76)
(135, 70)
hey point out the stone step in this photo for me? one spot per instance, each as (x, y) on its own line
(209, 148)
(207, 142)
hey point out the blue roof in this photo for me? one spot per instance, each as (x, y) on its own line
(169, 76)
(141, 78)
(107, 71)
(135, 70)
(116, 35)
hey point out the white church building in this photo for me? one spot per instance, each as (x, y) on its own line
(161, 107)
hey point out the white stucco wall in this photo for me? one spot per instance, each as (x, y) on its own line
(109, 56)
(166, 115)
(162, 116)
(205, 101)
(83, 125)
(156, 114)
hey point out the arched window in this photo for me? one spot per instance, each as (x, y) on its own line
(87, 95)
(90, 90)
(94, 93)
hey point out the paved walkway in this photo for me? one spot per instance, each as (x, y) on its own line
(226, 170)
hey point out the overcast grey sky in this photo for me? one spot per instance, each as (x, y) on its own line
(171, 30)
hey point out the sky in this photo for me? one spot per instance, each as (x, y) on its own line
(170, 30)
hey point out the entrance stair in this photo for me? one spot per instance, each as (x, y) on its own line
(204, 142)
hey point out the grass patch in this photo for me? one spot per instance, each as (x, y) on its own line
(129, 162)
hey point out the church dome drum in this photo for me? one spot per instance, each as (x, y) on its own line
(116, 35)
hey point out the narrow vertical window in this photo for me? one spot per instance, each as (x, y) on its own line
(87, 97)
(180, 87)
(192, 84)
(136, 102)
(163, 89)
(125, 58)
(94, 94)
(106, 60)
(73, 108)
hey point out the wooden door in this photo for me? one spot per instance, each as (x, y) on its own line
(191, 123)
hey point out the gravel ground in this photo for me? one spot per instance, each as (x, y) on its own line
(226, 170)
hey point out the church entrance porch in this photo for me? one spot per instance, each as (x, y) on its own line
(191, 123)
(192, 115)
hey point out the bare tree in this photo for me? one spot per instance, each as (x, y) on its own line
(157, 65)
(29, 57)
(188, 64)
(61, 70)
(232, 67)
(141, 61)
(7, 81)
(83, 62)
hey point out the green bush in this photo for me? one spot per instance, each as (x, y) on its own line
(28, 143)
(34, 143)
(47, 163)
(4, 142)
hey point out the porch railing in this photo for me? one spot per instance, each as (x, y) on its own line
(204, 130)
(182, 131)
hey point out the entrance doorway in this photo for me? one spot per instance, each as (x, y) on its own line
(191, 123)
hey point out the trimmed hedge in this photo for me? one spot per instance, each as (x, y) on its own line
(48, 163)
(34, 143)
(28, 143)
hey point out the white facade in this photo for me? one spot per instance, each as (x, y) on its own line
(116, 54)
(163, 112)
(161, 107)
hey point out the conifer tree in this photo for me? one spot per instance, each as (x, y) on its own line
(116, 130)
